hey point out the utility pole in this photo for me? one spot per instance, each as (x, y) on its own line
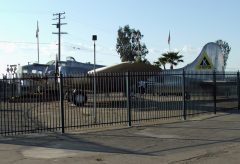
(59, 17)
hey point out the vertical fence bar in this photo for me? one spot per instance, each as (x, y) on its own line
(184, 97)
(94, 95)
(238, 90)
(4, 88)
(61, 102)
(215, 92)
(128, 100)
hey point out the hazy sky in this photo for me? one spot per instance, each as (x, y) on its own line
(192, 23)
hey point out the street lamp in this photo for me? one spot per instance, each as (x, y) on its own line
(94, 38)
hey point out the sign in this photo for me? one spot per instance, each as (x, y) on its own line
(204, 63)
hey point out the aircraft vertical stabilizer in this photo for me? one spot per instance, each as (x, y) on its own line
(210, 59)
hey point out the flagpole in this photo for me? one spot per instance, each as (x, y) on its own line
(169, 41)
(38, 48)
(37, 36)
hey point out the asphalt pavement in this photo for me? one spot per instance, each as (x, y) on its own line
(205, 139)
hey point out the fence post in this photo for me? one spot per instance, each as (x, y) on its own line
(4, 88)
(184, 96)
(238, 90)
(215, 92)
(128, 100)
(61, 102)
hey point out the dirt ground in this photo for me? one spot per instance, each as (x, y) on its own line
(111, 109)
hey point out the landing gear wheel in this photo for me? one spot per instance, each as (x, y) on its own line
(79, 98)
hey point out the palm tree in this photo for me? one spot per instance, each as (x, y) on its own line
(173, 58)
(162, 61)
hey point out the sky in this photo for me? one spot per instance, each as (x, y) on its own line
(192, 24)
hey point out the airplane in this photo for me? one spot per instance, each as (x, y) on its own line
(70, 66)
(163, 82)
(31, 74)
(198, 75)
(111, 79)
(79, 81)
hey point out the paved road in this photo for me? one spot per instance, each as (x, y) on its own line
(214, 139)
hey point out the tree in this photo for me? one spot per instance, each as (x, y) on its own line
(138, 59)
(172, 58)
(162, 61)
(225, 49)
(129, 45)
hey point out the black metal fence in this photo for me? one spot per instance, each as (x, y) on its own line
(71, 102)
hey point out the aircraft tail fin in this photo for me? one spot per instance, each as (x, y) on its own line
(210, 59)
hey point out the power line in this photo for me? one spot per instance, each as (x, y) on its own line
(85, 40)
(16, 42)
(74, 46)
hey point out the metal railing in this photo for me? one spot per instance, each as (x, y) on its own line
(38, 104)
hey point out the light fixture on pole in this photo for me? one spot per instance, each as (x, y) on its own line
(94, 38)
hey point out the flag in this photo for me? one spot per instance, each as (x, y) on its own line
(169, 38)
(37, 31)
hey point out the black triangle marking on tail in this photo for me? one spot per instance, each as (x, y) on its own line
(204, 63)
